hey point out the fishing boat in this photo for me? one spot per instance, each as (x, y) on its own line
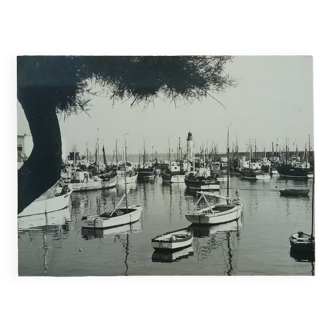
(295, 169)
(146, 171)
(174, 240)
(224, 211)
(84, 181)
(169, 256)
(294, 192)
(173, 174)
(201, 179)
(119, 216)
(196, 182)
(54, 199)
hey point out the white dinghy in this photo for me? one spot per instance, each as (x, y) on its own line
(174, 240)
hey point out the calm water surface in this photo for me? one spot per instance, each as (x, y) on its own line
(256, 244)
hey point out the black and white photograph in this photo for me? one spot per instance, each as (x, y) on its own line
(165, 165)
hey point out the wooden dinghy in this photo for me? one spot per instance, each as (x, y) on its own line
(174, 240)
(302, 242)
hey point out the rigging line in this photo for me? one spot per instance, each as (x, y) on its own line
(298, 216)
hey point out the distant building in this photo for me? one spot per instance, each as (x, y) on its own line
(190, 147)
(25, 146)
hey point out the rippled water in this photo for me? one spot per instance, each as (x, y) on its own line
(257, 244)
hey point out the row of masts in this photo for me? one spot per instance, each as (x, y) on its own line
(251, 150)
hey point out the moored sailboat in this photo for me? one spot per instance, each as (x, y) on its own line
(119, 216)
(224, 211)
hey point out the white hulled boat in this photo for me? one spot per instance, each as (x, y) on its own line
(174, 240)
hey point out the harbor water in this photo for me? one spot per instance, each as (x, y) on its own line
(256, 244)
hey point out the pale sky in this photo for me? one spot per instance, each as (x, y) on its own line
(273, 99)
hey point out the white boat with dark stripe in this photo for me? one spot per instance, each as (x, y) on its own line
(174, 240)
(50, 201)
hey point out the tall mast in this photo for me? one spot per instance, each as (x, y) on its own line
(169, 153)
(179, 157)
(87, 151)
(194, 158)
(255, 151)
(286, 152)
(98, 149)
(125, 171)
(228, 163)
(116, 152)
(144, 154)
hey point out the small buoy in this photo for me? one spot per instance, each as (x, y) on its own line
(80, 250)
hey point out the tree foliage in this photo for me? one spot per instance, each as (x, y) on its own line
(47, 85)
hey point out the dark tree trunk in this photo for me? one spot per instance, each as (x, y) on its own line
(42, 169)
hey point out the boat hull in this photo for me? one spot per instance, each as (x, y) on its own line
(302, 243)
(167, 244)
(47, 206)
(176, 178)
(202, 185)
(130, 179)
(263, 177)
(294, 192)
(104, 222)
(291, 172)
(164, 256)
(216, 218)
(95, 185)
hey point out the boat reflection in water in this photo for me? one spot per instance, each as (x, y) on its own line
(53, 218)
(91, 233)
(48, 230)
(304, 257)
(164, 256)
(202, 230)
(213, 238)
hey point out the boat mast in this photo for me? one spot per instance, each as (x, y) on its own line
(194, 158)
(255, 151)
(87, 152)
(144, 154)
(98, 149)
(228, 163)
(125, 171)
(286, 152)
(277, 148)
(179, 157)
(116, 152)
(313, 207)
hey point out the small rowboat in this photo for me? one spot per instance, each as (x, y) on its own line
(174, 240)
(294, 192)
(302, 242)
